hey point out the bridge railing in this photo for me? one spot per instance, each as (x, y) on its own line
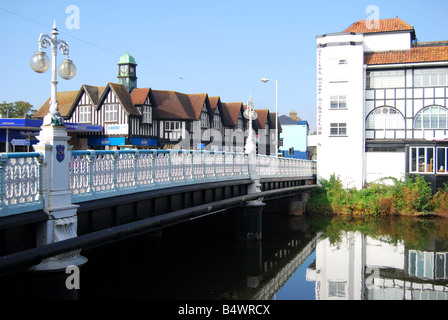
(101, 174)
(20, 183)
(268, 166)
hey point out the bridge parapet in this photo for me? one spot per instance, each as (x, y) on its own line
(97, 174)
(20, 182)
(102, 174)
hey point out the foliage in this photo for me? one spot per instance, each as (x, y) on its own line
(388, 196)
(417, 233)
(18, 109)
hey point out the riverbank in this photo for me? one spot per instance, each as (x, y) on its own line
(411, 196)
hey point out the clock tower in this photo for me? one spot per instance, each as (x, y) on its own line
(127, 73)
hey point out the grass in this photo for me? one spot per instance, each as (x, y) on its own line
(411, 196)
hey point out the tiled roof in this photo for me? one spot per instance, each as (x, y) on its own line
(415, 55)
(197, 102)
(123, 96)
(65, 102)
(214, 103)
(385, 25)
(230, 113)
(172, 105)
(260, 122)
(139, 96)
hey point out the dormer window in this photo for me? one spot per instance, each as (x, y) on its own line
(85, 114)
(146, 114)
(110, 113)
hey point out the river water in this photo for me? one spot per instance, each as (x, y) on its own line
(298, 258)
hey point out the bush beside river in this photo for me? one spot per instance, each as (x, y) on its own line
(411, 196)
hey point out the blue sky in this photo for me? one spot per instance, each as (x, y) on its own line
(218, 47)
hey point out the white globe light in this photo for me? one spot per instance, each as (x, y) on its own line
(67, 69)
(40, 62)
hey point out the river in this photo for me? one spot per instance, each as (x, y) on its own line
(298, 258)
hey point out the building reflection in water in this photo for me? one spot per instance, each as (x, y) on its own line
(360, 267)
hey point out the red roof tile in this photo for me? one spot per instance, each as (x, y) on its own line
(415, 55)
(139, 95)
(385, 25)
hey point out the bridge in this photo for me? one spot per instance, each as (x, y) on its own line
(55, 202)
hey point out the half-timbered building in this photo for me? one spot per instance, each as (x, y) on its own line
(131, 117)
(382, 104)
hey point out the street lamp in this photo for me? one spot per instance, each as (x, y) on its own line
(251, 115)
(41, 63)
(265, 80)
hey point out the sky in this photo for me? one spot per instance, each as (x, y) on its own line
(219, 47)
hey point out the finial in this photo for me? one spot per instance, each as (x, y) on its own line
(55, 30)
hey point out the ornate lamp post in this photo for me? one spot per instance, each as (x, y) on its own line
(41, 63)
(53, 146)
(250, 115)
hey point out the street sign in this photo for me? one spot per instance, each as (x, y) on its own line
(20, 142)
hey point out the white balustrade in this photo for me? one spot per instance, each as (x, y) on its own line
(97, 174)
(20, 188)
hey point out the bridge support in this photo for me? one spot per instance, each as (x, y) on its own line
(62, 214)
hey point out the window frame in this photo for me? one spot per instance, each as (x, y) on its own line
(111, 112)
(341, 129)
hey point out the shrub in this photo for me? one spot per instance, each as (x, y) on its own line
(410, 196)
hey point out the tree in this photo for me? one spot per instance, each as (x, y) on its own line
(18, 109)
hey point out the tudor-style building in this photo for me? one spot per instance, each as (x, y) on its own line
(382, 104)
(131, 117)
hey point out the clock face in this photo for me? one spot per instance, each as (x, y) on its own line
(131, 70)
(124, 70)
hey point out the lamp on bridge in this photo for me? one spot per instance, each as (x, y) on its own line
(41, 63)
(251, 115)
(55, 151)
(265, 80)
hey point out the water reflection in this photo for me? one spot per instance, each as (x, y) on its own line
(380, 262)
(298, 258)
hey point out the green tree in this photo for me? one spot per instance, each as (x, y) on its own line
(18, 109)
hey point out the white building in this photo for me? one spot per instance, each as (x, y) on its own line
(382, 103)
(359, 267)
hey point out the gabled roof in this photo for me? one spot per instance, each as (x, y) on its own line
(123, 96)
(415, 55)
(384, 25)
(172, 105)
(214, 103)
(260, 122)
(94, 94)
(230, 112)
(139, 96)
(65, 102)
(197, 102)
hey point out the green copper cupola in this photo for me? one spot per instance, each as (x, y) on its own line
(127, 72)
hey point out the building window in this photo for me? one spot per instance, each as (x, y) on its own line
(385, 118)
(338, 129)
(385, 79)
(336, 288)
(421, 264)
(422, 160)
(204, 119)
(430, 77)
(240, 123)
(147, 114)
(432, 118)
(172, 125)
(110, 113)
(338, 102)
(85, 114)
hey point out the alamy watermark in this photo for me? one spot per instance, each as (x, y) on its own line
(73, 280)
(73, 21)
(373, 21)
